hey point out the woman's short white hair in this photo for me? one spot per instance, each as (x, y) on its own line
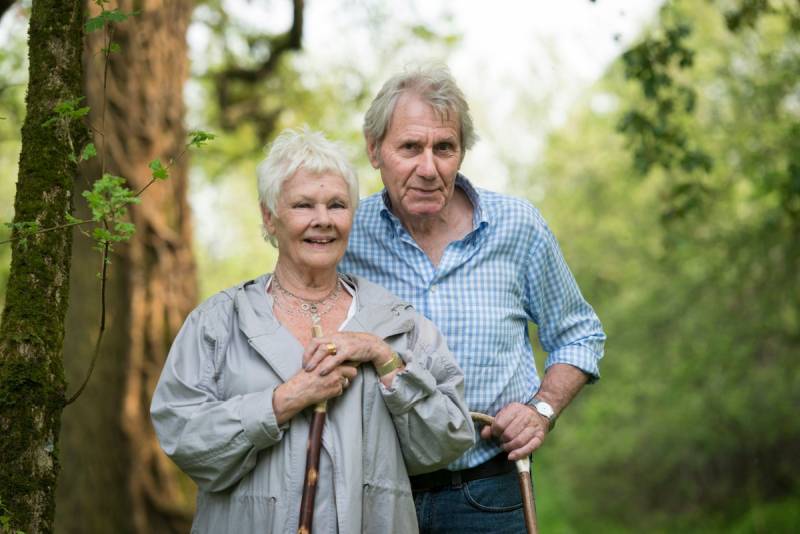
(290, 151)
(436, 86)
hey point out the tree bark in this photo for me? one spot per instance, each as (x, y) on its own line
(115, 478)
(31, 336)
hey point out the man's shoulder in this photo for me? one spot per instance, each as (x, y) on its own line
(508, 210)
(367, 222)
(371, 204)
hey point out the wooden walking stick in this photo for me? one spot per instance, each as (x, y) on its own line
(313, 449)
(525, 483)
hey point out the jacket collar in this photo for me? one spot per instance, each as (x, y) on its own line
(377, 312)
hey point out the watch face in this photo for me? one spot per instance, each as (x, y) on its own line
(544, 409)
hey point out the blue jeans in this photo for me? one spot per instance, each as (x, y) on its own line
(491, 505)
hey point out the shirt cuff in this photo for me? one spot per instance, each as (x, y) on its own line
(409, 386)
(583, 358)
(258, 419)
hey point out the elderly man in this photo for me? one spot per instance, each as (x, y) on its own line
(480, 265)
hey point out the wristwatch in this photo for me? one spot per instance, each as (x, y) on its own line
(544, 409)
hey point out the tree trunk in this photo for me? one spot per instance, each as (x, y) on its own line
(31, 336)
(115, 477)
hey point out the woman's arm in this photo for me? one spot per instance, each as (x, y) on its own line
(427, 404)
(215, 441)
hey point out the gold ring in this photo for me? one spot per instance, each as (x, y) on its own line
(331, 349)
(346, 382)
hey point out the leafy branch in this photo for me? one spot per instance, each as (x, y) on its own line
(109, 197)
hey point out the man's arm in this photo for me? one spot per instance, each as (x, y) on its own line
(521, 428)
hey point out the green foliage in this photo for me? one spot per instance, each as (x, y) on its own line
(159, 171)
(67, 111)
(199, 138)
(23, 230)
(109, 197)
(5, 521)
(693, 271)
(89, 151)
(655, 136)
(106, 18)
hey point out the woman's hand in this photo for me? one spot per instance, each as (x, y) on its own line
(348, 348)
(342, 348)
(308, 388)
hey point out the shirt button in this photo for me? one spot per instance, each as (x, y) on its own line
(433, 289)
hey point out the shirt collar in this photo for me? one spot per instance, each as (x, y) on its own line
(479, 217)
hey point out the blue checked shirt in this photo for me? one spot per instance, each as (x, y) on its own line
(507, 271)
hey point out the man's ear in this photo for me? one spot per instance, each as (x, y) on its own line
(268, 218)
(374, 153)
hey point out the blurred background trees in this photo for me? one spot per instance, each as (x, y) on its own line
(672, 183)
(694, 270)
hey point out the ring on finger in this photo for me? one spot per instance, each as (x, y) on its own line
(331, 349)
(345, 382)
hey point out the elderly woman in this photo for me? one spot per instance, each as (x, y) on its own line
(234, 401)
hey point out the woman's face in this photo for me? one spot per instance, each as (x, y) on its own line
(312, 221)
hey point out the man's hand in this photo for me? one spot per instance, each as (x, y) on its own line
(520, 428)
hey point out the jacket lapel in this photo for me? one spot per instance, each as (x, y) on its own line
(254, 311)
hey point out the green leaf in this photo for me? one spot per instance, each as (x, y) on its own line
(109, 198)
(94, 24)
(89, 151)
(198, 138)
(107, 16)
(113, 48)
(159, 171)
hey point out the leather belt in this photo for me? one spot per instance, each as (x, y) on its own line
(445, 478)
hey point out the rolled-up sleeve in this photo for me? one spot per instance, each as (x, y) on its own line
(215, 441)
(569, 329)
(427, 404)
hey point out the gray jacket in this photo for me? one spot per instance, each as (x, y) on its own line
(212, 411)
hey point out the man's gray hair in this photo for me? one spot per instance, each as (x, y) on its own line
(290, 151)
(436, 86)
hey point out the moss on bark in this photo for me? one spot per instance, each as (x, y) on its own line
(32, 332)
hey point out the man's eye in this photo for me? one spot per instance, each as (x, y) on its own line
(445, 147)
(302, 205)
(338, 205)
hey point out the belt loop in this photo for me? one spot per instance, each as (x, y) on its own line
(455, 479)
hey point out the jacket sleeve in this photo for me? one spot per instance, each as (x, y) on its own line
(215, 441)
(427, 404)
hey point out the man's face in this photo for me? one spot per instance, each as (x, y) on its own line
(419, 158)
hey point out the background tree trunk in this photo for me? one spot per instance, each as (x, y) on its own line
(115, 477)
(31, 367)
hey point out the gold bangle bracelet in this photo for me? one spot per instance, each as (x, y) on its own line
(385, 368)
